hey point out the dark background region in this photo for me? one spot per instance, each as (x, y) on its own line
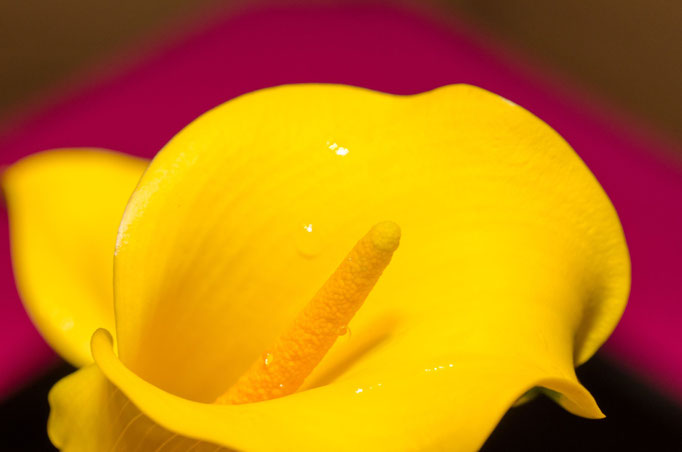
(628, 52)
(638, 418)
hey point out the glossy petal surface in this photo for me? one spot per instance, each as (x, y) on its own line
(64, 208)
(512, 267)
(112, 408)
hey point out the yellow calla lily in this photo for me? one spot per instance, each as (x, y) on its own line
(512, 269)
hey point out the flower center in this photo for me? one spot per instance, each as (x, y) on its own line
(284, 367)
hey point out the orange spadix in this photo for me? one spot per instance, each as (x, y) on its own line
(284, 367)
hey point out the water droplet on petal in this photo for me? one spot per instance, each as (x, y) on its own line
(267, 359)
(307, 240)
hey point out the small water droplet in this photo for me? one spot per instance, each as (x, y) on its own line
(307, 240)
(338, 150)
(267, 359)
(343, 331)
(358, 391)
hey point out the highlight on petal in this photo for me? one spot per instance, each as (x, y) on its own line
(512, 268)
(64, 209)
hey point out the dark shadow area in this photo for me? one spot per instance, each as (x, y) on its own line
(23, 417)
(638, 417)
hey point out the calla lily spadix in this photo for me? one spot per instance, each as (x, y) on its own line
(476, 254)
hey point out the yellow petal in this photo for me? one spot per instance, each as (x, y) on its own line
(64, 209)
(512, 267)
(244, 214)
(110, 408)
(88, 414)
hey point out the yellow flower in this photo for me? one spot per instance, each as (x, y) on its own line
(512, 269)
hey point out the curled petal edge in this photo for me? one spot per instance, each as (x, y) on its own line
(206, 423)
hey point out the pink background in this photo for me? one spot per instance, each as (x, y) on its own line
(388, 50)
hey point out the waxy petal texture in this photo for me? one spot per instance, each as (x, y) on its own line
(421, 411)
(512, 268)
(64, 208)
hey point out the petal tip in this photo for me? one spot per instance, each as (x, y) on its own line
(573, 397)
